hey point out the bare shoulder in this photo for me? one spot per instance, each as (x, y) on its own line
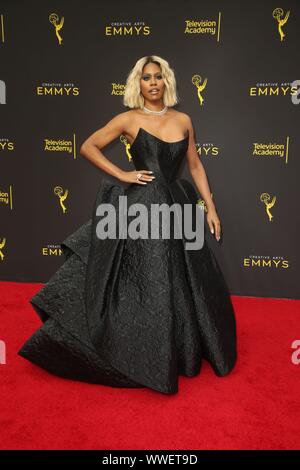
(186, 119)
(183, 118)
(188, 126)
(109, 131)
(126, 118)
(119, 123)
(120, 120)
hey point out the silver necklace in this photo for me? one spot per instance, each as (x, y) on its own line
(150, 111)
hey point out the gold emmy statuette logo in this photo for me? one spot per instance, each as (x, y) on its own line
(53, 18)
(278, 15)
(2, 244)
(2, 39)
(127, 146)
(58, 191)
(201, 203)
(265, 198)
(196, 80)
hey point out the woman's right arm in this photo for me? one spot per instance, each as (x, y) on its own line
(91, 150)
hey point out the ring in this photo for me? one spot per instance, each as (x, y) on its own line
(139, 175)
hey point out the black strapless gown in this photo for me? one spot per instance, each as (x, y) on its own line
(135, 312)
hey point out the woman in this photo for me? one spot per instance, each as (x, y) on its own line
(137, 311)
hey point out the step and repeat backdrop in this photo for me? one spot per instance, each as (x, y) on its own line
(63, 69)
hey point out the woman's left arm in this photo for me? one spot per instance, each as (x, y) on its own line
(199, 176)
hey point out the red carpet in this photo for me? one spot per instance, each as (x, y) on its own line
(255, 407)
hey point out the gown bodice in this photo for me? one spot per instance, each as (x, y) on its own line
(163, 158)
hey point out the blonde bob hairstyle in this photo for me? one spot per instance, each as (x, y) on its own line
(133, 97)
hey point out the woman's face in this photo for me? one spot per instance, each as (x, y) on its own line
(152, 84)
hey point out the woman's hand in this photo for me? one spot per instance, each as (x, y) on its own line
(131, 176)
(214, 223)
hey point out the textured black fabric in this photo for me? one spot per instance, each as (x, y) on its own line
(135, 312)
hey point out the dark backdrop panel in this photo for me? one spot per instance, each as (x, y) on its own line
(259, 257)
